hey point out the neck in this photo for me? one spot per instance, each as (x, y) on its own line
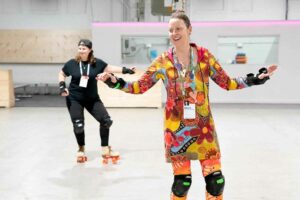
(83, 57)
(182, 49)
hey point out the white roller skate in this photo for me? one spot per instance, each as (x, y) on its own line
(81, 157)
(108, 153)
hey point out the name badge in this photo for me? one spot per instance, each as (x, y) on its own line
(189, 111)
(83, 81)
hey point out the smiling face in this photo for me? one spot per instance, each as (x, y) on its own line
(84, 52)
(179, 33)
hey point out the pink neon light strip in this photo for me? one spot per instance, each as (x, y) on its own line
(118, 24)
(225, 23)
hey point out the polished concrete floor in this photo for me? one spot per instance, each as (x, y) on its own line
(260, 155)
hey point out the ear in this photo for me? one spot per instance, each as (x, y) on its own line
(190, 30)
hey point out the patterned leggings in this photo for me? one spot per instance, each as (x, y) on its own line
(208, 166)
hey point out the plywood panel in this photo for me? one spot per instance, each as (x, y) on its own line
(39, 46)
(7, 96)
(117, 98)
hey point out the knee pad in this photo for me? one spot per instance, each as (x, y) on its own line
(215, 183)
(181, 185)
(106, 122)
(78, 126)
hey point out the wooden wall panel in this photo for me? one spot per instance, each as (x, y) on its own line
(39, 46)
(116, 98)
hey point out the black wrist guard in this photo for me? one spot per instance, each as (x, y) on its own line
(117, 85)
(126, 70)
(254, 80)
(62, 87)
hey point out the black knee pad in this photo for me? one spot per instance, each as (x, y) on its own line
(181, 185)
(78, 126)
(215, 183)
(106, 122)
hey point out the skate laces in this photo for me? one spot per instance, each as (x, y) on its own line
(80, 151)
(107, 151)
(80, 154)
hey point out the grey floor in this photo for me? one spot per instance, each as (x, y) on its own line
(260, 155)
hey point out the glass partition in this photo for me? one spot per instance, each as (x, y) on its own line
(261, 50)
(142, 49)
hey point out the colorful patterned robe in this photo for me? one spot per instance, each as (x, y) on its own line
(187, 139)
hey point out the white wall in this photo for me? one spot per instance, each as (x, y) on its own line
(79, 14)
(294, 9)
(36, 14)
(282, 88)
(237, 10)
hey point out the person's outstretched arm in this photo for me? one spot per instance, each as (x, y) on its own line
(116, 69)
(144, 83)
(220, 77)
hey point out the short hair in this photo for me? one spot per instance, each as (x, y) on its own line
(179, 14)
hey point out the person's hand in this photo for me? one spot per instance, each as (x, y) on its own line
(270, 71)
(111, 81)
(104, 76)
(65, 93)
(63, 90)
(261, 77)
(126, 70)
(133, 69)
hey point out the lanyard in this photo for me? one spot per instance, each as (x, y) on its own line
(81, 71)
(191, 67)
(182, 72)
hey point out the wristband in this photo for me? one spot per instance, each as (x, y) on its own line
(126, 70)
(62, 87)
(117, 86)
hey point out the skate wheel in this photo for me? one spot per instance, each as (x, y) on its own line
(114, 160)
(81, 159)
(105, 161)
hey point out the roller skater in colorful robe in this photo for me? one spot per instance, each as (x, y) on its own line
(189, 128)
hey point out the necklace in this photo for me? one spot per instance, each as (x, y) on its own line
(185, 74)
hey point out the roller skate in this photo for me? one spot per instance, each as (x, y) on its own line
(109, 154)
(173, 197)
(81, 158)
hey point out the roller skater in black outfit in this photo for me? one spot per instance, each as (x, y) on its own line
(83, 93)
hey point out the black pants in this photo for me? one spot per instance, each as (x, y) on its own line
(96, 109)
